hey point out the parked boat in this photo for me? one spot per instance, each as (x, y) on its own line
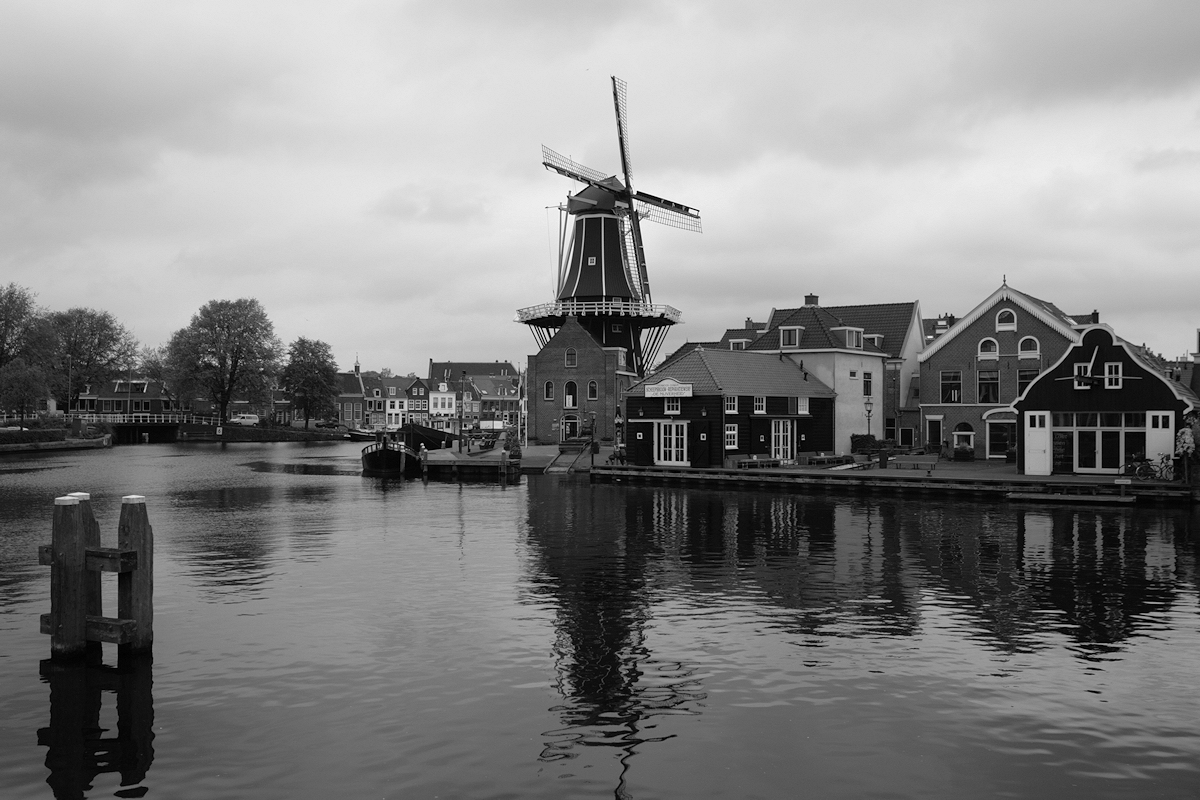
(360, 435)
(389, 459)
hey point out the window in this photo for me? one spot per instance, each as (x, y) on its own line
(571, 358)
(731, 404)
(854, 339)
(670, 405)
(797, 405)
(593, 390)
(951, 386)
(119, 406)
(866, 384)
(760, 405)
(989, 349)
(731, 431)
(1006, 320)
(737, 344)
(617, 327)
(548, 391)
(1024, 378)
(853, 374)
(789, 337)
(1083, 376)
(569, 395)
(1029, 347)
(989, 386)
(1112, 375)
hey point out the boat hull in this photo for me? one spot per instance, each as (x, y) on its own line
(390, 460)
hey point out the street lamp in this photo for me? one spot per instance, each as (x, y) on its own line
(592, 443)
(868, 407)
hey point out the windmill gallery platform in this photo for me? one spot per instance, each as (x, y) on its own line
(980, 480)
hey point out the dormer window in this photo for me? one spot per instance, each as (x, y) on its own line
(789, 338)
(875, 339)
(1006, 320)
(737, 344)
(988, 349)
(853, 337)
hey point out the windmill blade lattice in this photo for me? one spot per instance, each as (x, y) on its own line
(571, 169)
(619, 93)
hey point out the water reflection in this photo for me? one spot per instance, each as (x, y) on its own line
(78, 750)
(591, 555)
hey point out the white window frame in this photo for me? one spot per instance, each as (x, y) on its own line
(991, 355)
(1114, 378)
(731, 436)
(802, 405)
(760, 404)
(731, 404)
(789, 337)
(1006, 326)
(1080, 369)
(1036, 352)
(671, 405)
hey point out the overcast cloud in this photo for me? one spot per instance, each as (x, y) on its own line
(371, 172)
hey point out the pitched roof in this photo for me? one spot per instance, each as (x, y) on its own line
(741, 372)
(349, 383)
(1048, 313)
(446, 370)
(686, 348)
(889, 320)
(818, 324)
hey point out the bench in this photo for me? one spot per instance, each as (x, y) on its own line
(914, 462)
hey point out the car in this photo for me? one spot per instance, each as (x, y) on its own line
(244, 419)
(330, 423)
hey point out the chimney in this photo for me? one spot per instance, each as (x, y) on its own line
(811, 300)
(1095, 316)
(750, 324)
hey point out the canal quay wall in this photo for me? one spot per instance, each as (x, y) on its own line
(998, 482)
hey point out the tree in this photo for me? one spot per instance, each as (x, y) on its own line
(228, 350)
(22, 387)
(22, 330)
(92, 347)
(310, 378)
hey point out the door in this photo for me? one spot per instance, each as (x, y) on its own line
(781, 439)
(1037, 443)
(670, 443)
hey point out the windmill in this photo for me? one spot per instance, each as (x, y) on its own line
(602, 278)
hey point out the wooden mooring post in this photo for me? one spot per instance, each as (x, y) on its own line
(76, 621)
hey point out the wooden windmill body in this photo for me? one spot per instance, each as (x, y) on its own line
(602, 286)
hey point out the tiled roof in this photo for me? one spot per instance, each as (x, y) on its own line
(684, 349)
(446, 370)
(733, 334)
(818, 334)
(349, 383)
(741, 372)
(890, 320)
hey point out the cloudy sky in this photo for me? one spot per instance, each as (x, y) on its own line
(371, 171)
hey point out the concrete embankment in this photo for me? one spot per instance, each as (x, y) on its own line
(63, 444)
(984, 481)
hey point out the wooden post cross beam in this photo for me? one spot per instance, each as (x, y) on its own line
(76, 620)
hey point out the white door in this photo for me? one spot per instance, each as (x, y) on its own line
(1037, 443)
(781, 438)
(670, 446)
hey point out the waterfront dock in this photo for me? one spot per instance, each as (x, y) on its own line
(985, 480)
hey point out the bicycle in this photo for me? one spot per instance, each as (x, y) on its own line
(1146, 470)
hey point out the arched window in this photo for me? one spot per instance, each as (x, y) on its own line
(570, 395)
(1006, 320)
(593, 390)
(989, 349)
(548, 390)
(572, 358)
(1029, 347)
(964, 436)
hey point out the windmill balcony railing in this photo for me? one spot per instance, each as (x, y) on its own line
(613, 307)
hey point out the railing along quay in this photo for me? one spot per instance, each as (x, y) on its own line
(889, 481)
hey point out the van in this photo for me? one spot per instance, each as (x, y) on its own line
(244, 419)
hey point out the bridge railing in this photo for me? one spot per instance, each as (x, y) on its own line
(148, 419)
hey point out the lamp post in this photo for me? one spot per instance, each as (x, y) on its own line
(592, 443)
(868, 407)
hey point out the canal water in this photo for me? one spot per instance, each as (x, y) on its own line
(319, 634)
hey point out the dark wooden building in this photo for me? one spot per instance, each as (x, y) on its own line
(711, 408)
(1103, 404)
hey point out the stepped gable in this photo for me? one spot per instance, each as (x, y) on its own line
(741, 372)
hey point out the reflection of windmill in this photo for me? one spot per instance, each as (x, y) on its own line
(602, 278)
